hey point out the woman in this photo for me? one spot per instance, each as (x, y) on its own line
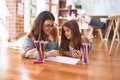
(40, 31)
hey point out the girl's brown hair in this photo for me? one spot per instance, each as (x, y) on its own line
(76, 36)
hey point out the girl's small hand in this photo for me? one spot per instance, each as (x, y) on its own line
(76, 54)
(52, 53)
(79, 53)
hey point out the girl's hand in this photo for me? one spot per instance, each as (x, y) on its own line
(52, 53)
(79, 53)
(76, 54)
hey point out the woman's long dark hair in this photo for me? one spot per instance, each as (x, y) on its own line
(37, 27)
(76, 36)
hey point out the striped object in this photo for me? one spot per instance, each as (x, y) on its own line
(37, 45)
(42, 50)
(85, 53)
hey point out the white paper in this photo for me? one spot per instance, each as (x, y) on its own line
(63, 59)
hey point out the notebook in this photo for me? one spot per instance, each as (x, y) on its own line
(63, 59)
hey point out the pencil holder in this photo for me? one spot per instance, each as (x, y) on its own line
(85, 53)
(39, 47)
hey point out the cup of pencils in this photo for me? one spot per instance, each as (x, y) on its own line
(40, 49)
(85, 53)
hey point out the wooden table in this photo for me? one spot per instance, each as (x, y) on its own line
(101, 67)
(98, 16)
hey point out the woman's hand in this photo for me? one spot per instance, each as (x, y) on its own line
(76, 54)
(52, 53)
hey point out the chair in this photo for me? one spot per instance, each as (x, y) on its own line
(96, 24)
(114, 22)
(83, 24)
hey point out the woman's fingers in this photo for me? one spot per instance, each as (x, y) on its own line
(52, 53)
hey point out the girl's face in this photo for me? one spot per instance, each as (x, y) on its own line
(68, 32)
(47, 26)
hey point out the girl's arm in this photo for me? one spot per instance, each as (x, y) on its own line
(67, 53)
(23, 54)
(75, 54)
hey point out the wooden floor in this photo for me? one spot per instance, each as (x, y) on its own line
(101, 66)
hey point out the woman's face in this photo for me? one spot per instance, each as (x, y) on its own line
(47, 26)
(68, 32)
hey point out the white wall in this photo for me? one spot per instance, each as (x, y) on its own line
(27, 15)
(41, 6)
(101, 7)
(92, 7)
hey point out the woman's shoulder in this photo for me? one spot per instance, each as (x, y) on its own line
(29, 35)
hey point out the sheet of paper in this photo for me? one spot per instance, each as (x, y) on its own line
(63, 59)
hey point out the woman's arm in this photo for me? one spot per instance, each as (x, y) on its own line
(23, 54)
(28, 43)
(54, 34)
(52, 53)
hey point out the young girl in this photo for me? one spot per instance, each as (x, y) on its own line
(71, 39)
(40, 31)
